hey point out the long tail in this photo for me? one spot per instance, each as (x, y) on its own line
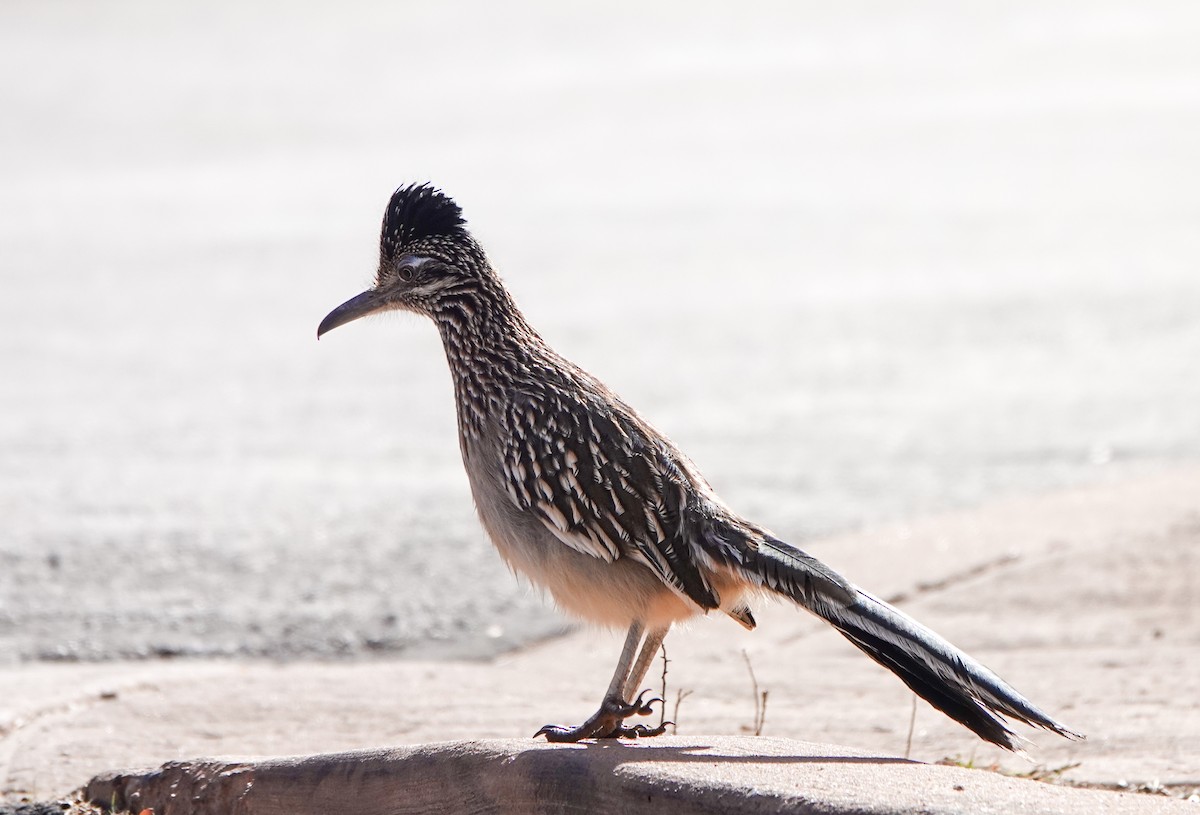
(939, 673)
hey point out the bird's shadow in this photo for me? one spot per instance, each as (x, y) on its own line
(610, 753)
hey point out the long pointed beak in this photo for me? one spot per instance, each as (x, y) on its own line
(358, 306)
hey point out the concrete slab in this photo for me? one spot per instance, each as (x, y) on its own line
(667, 775)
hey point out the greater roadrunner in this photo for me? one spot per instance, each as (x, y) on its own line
(578, 492)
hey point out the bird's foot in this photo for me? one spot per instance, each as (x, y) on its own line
(608, 722)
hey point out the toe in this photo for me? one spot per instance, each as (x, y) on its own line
(641, 705)
(641, 731)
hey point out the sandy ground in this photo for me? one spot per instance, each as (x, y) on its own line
(1086, 600)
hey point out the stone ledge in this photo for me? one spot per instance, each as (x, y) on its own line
(665, 775)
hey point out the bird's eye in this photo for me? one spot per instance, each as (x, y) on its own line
(406, 273)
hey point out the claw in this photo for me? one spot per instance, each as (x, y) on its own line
(641, 731)
(643, 708)
(554, 733)
(608, 722)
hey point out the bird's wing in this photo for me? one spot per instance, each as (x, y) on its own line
(604, 485)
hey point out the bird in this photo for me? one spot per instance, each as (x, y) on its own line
(585, 498)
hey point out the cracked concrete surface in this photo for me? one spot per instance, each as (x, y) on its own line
(1093, 614)
(672, 774)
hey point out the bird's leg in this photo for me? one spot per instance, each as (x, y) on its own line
(649, 650)
(606, 723)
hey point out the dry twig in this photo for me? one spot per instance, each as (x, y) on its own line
(760, 699)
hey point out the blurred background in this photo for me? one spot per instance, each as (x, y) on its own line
(862, 261)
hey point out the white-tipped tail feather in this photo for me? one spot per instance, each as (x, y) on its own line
(950, 680)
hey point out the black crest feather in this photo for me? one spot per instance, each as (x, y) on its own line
(416, 213)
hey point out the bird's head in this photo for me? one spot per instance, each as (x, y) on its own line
(426, 259)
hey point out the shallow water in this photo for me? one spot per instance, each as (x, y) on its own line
(860, 263)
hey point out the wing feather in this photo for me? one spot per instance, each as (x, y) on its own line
(602, 487)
